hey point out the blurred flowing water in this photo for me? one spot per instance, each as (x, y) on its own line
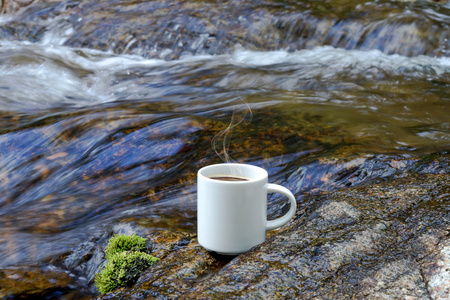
(90, 138)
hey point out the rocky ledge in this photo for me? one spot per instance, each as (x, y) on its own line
(388, 240)
(385, 241)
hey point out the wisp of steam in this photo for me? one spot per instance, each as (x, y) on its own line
(223, 138)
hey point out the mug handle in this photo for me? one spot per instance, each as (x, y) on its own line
(275, 188)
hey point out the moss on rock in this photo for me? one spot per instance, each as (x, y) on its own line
(125, 262)
(122, 242)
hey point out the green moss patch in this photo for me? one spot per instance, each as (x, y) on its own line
(122, 242)
(125, 263)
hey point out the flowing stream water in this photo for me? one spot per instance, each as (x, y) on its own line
(91, 138)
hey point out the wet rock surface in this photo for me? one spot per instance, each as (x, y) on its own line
(385, 240)
(373, 242)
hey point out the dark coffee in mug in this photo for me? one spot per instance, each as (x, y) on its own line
(228, 178)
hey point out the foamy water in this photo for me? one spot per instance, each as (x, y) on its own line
(37, 76)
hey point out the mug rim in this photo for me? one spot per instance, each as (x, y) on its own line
(261, 176)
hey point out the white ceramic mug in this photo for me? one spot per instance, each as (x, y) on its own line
(232, 215)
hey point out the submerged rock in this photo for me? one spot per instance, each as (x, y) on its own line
(38, 282)
(8, 7)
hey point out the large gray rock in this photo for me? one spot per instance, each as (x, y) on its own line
(385, 241)
(388, 240)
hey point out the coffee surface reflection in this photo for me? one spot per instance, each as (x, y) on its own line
(228, 178)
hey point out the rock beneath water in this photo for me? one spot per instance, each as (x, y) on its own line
(38, 282)
(8, 7)
(12, 6)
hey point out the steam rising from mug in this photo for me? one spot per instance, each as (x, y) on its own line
(225, 135)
